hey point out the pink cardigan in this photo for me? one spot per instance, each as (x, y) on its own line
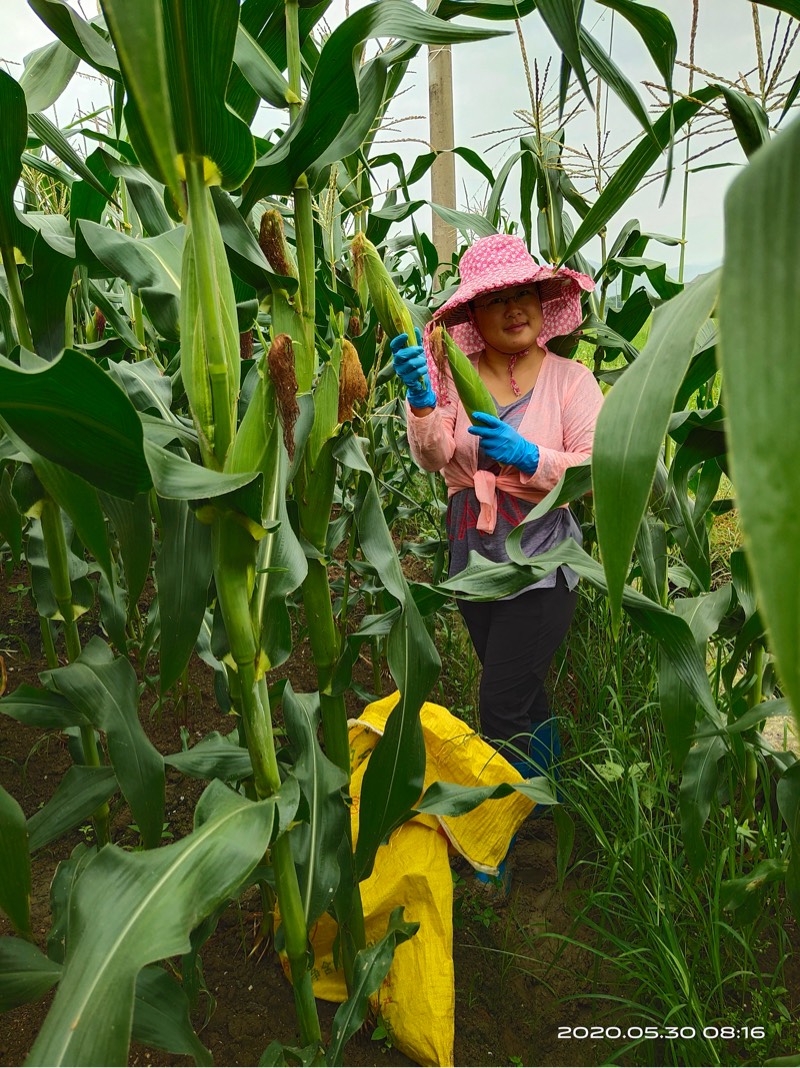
(560, 419)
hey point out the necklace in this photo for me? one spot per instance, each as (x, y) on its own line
(512, 363)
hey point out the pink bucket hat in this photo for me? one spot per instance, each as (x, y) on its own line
(496, 262)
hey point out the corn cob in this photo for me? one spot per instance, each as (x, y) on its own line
(470, 386)
(393, 314)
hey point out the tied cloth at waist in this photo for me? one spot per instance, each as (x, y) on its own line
(486, 484)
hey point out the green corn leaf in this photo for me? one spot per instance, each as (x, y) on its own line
(635, 167)
(10, 518)
(754, 716)
(82, 590)
(119, 322)
(78, 35)
(393, 781)
(453, 799)
(656, 31)
(104, 689)
(71, 413)
(334, 92)
(13, 137)
(370, 969)
(15, 865)
(77, 498)
(132, 909)
(788, 797)
(562, 18)
(633, 423)
(138, 34)
(151, 266)
(760, 274)
(145, 192)
(147, 387)
(494, 10)
(658, 35)
(749, 119)
(78, 794)
(315, 842)
(41, 708)
(181, 480)
(697, 790)
(84, 201)
(483, 580)
(134, 530)
(259, 70)
(214, 757)
(48, 72)
(55, 140)
(185, 79)
(66, 875)
(46, 292)
(615, 78)
(281, 563)
(789, 7)
(244, 254)
(183, 574)
(678, 703)
(467, 222)
(791, 96)
(26, 974)
(161, 1013)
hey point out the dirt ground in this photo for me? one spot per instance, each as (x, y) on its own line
(515, 983)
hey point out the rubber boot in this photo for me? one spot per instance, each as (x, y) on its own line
(497, 886)
(544, 755)
(544, 748)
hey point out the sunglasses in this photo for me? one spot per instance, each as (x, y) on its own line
(524, 295)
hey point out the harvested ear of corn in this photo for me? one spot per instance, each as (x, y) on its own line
(393, 314)
(470, 386)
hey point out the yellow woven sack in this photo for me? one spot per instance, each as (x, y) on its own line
(417, 999)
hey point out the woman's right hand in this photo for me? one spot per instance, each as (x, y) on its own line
(411, 366)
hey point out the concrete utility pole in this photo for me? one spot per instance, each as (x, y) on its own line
(443, 172)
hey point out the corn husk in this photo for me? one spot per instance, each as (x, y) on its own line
(368, 267)
(210, 364)
(469, 385)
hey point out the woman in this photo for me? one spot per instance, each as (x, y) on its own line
(503, 313)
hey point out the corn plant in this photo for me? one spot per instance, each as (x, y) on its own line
(194, 282)
(238, 464)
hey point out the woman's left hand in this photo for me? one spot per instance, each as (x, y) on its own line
(505, 444)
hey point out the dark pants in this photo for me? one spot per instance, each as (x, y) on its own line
(516, 641)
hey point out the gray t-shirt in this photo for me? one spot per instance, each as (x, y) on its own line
(463, 510)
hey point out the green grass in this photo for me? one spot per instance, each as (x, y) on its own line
(665, 949)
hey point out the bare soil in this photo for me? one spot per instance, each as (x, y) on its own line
(515, 983)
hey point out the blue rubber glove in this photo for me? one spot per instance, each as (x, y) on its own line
(411, 365)
(505, 444)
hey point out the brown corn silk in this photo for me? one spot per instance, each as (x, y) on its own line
(280, 363)
(352, 383)
(273, 243)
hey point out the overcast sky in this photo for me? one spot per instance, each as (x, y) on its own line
(490, 85)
